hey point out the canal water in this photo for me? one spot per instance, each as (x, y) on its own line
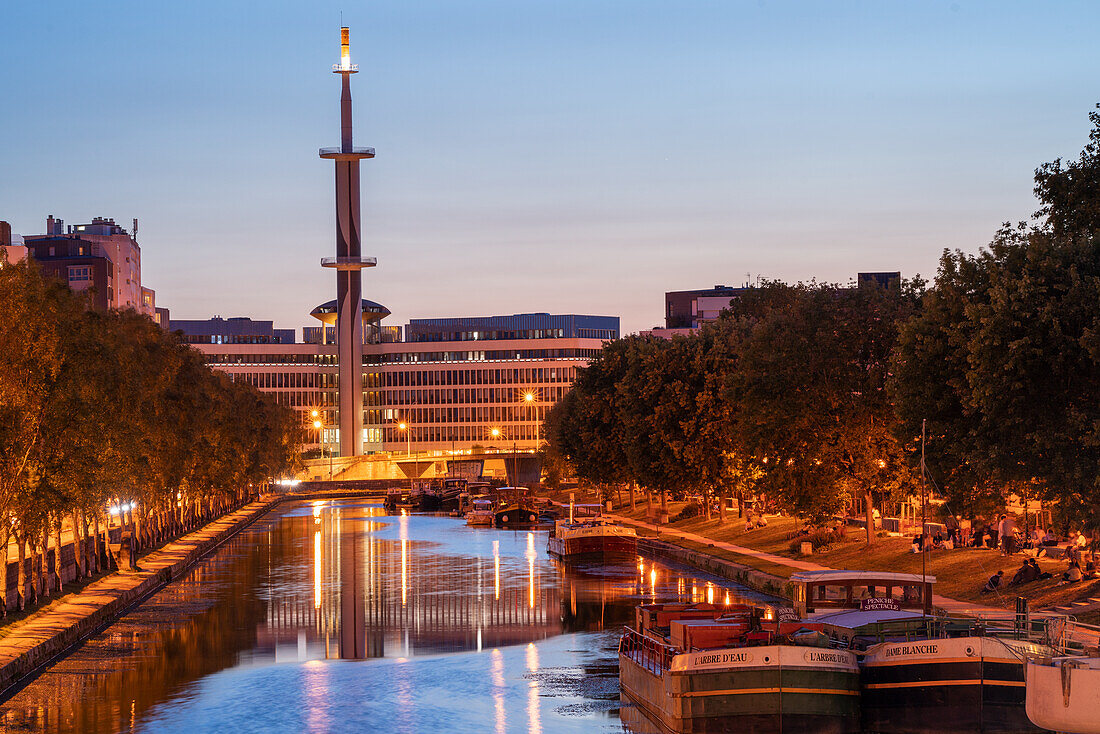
(333, 617)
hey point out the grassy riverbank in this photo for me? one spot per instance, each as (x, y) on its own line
(959, 573)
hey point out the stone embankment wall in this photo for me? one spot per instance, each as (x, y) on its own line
(745, 575)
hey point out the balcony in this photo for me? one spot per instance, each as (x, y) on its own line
(354, 262)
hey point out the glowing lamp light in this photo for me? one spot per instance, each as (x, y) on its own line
(529, 397)
(316, 424)
(495, 432)
(402, 426)
(124, 507)
(345, 48)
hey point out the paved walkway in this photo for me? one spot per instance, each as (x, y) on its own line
(953, 607)
(740, 549)
(33, 642)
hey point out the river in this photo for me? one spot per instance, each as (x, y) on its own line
(333, 617)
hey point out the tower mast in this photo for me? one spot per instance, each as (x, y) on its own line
(348, 263)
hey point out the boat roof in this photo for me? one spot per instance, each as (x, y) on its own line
(835, 575)
(853, 618)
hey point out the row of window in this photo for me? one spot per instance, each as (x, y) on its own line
(80, 273)
(403, 357)
(291, 380)
(518, 376)
(480, 434)
(304, 400)
(483, 415)
(230, 339)
(484, 395)
(527, 377)
(604, 334)
(480, 356)
(466, 336)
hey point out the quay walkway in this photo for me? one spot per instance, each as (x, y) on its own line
(33, 642)
(953, 607)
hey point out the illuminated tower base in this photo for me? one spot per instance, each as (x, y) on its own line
(348, 262)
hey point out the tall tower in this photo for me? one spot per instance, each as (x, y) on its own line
(347, 263)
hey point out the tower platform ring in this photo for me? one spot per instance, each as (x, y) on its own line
(352, 262)
(353, 155)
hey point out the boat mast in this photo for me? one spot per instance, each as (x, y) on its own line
(923, 504)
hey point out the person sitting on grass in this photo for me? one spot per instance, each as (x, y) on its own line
(1026, 574)
(1073, 573)
(994, 583)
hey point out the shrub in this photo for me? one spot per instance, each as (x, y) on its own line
(818, 539)
(692, 510)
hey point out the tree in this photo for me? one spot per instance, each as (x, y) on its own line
(1069, 194)
(1004, 360)
(105, 408)
(584, 426)
(810, 392)
(929, 384)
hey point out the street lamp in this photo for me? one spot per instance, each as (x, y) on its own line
(529, 398)
(408, 447)
(495, 433)
(319, 426)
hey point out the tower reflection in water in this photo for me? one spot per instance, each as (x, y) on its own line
(375, 595)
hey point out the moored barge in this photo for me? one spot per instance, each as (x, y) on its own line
(596, 538)
(701, 668)
(924, 674)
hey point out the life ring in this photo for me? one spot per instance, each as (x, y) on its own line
(530, 518)
(504, 518)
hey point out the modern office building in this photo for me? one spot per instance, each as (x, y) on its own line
(451, 383)
(236, 330)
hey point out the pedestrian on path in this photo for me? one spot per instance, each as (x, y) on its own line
(1006, 529)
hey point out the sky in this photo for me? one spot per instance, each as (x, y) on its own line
(562, 156)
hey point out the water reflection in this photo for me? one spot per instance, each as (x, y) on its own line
(534, 722)
(341, 580)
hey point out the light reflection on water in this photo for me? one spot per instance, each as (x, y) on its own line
(250, 639)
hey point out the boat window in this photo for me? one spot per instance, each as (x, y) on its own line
(911, 594)
(864, 592)
(832, 592)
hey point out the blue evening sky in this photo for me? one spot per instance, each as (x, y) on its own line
(576, 156)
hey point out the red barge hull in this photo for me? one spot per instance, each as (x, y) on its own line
(594, 547)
